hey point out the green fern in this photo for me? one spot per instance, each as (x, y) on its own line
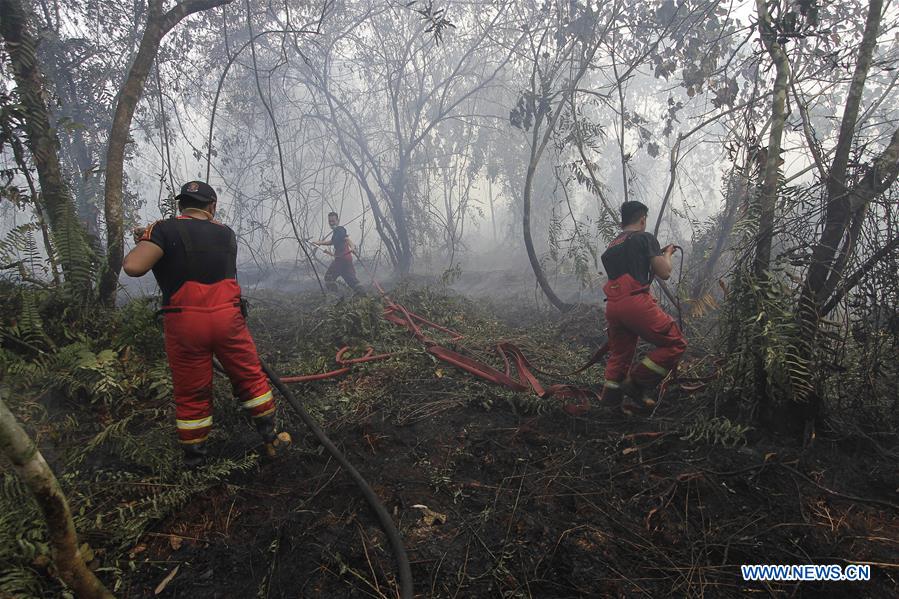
(717, 430)
(35, 373)
(22, 539)
(76, 255)
(778, 334)
(19, 250)
(19, 581)
(130, 521)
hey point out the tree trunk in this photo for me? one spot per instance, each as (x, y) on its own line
(842, 259)
(768, 195)
(492, 213)
(767, 200)
(30, 465)
(529, 242)
(68, 235)
(538, 145)
(19, 155)
(84, 185)
(736, 196)
(158, 25)
(881, 174)
(271, 115)
(852, 280)
(400, 221)
(673, 158)
(621, 132)
(382, 225)
(841, 202)
(603, 208)
(838, 210)
(385, 231)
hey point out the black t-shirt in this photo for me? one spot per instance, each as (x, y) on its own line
(213, 255)
(338, 240)
(629, 253)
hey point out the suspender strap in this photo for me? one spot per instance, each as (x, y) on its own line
(189, 250)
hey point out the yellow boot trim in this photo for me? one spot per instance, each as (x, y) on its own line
(257, 401)
(193, 424)
(268, 412)
(193, 441)
(612, 384)
(654, 367)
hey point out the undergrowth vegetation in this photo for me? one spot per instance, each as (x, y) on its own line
(95, 392)
(780, 375)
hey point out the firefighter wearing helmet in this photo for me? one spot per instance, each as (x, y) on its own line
(194, 260)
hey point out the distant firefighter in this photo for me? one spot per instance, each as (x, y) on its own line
(342, 266)
(194, 260)
(631, 260)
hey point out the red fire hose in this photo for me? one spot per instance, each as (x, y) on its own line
(345, 364)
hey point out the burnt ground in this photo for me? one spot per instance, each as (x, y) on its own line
(548, 506)
(496, 500)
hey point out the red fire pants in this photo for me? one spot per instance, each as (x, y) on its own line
(343, 267)
(633, 313)
(193, 334)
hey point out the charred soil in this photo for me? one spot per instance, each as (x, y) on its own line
(496, 498)
(494, 504)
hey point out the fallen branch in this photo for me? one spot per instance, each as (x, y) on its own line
(647, 435)
(31, 466)
(879, 502)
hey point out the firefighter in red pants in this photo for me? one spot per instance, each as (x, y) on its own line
(194, 260)
(631, 260)
(342, 266)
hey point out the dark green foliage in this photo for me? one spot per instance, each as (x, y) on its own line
(434, 18)
(137, 326)
(76, 255)
(718, 430)
(19, 253)
(95, 393)
(95, 357)
(761, 322)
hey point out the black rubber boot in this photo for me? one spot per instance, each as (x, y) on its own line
(265, 426)
(610, 396)
(194, 454)
(637, 397)
(275, 443)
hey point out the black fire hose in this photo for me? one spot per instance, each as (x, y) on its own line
(396, 541)
(680, 274)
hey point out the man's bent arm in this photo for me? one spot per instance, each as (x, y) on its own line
(661, 265)
(141, 259)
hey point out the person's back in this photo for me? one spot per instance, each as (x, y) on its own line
(194, 260)
(631, 261)
(199, 263)
(630, 254)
